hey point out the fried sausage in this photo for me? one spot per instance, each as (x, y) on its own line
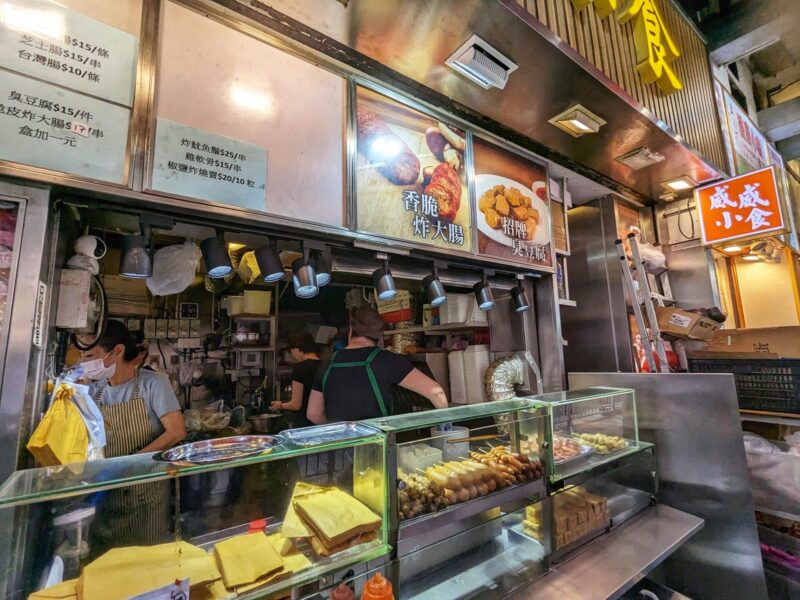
(445, 187)
(397, 162)
(436, 142)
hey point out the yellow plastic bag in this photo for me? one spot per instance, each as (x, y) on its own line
(61, 438)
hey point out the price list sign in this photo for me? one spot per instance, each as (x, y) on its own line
(53, 43)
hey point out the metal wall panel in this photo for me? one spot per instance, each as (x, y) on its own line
(609, 46)
(694, 422)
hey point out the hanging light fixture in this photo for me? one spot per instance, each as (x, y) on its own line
(322, 266)
(304, 277)
(483, 294)
(136, 261)
(215, 256)
(269, 263)
(434, 288)
(384, 282)
(520, 297)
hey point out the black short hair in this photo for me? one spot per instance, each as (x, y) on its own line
(303, 342)
(116, 333)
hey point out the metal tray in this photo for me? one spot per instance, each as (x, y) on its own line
(585, 452)
(628, 444)
(221, 449)
(325, 434)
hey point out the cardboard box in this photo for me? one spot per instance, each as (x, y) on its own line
(781, 341)
(681, 323)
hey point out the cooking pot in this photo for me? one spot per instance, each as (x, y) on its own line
(266, 423)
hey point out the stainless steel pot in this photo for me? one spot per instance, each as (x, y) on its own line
(266, 423)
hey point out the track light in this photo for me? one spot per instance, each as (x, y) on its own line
(384, 282)
(520, 297)
(135, 261)
(304, 278)
(322, 267)
(269, 263)
(215, 255)
(434, 288)
(483, 294)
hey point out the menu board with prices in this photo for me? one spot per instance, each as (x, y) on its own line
(411, 175)
(740, 207)
(198, 164)
(513, 206)
(53, 43)
(47, 126)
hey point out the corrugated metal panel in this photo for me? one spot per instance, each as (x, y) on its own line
(609, 46)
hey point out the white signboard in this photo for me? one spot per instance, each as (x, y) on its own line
(198, 164)
(748, 142)
(56, 44)
(38, 317)
(47, 126)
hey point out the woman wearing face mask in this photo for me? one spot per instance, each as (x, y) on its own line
(141, 414)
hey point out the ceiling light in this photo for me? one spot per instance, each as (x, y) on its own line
(269, 263)
(385, 287)
(680, 184)
(322, 267)
(304, 278)
(750, 257)
(215, 255)
(640, 158)
(520, 297)
(483, 294)
(732, 249)
(577, 121)
(481, 63)
(434, 288)
(135, 261)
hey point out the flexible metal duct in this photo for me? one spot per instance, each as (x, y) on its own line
(502, 378)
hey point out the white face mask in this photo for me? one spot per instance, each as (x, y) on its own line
(96, 369)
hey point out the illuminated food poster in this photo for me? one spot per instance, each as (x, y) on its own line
(411, 182)
(513, 212)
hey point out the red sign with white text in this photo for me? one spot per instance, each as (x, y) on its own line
(739, 207)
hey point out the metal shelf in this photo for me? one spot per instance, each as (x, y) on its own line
(245, 317)
(443, 329)
(533, 491)
(775, 419)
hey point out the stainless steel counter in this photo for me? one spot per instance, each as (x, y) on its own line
(615, 562)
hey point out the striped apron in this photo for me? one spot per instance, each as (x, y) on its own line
(137, 514)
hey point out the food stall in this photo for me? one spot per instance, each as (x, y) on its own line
(212, 205)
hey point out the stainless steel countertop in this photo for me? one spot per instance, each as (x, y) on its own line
(615, 562)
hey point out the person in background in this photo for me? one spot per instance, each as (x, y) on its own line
(141, 414)
(357, 382)
(304, 351)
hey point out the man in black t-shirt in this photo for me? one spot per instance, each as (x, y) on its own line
(357, 382)
(304, 351)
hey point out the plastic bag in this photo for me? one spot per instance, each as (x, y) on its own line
(653, 259)
(61, 438)
(93, 419)
(173, 269)
(213, 417)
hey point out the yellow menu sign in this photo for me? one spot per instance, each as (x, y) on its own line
(654, 46)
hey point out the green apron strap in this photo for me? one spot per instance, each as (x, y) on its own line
(374, 382)
(328, 371)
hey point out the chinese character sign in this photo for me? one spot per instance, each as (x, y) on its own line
(411, 182)
(739, 207)
(199, 164)
(45, 40)
(748, 143)
(513, 206)
(47, 126)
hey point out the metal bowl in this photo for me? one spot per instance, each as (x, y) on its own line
(266, 423)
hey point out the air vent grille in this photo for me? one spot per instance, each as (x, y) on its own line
(482, 63)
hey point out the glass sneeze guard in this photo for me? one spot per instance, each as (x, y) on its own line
(29, 486)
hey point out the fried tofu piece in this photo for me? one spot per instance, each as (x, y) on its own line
(486, 201)
(494, 220)
(520, 213)
(514, 197)
(502, 206)
(530, 229)
(533, 214)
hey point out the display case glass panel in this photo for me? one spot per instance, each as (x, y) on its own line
(244, 528)
(588, 428)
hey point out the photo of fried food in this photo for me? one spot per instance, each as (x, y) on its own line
(501, 201)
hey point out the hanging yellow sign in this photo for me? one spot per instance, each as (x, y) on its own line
(654, 46)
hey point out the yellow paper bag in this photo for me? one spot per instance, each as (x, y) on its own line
(66, 590)
(245, 558)
(61, 438)
(292, 526)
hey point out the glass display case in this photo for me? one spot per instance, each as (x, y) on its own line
(463, 477)
(588, 428)
(116, 528)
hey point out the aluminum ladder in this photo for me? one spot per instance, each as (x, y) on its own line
(650, 336)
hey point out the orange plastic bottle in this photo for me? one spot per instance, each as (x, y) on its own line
(343, 592)
(377, 588)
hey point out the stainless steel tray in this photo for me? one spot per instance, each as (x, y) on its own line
(221, 449)
(585, 452)
(628, 444)
(325, 434)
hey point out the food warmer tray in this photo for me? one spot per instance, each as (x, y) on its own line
(585, 452)
(628, 444)
(324, 434)
(220, 450)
